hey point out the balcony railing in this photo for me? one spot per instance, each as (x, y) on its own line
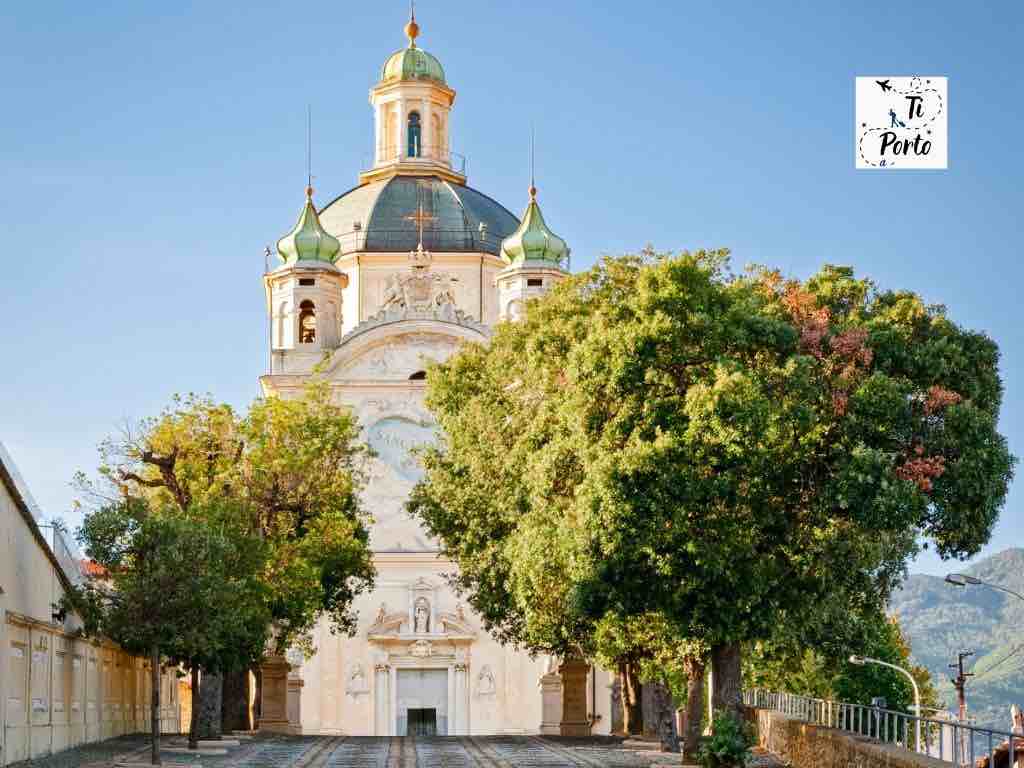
(949, 740)
(426, 155)
(437, 240)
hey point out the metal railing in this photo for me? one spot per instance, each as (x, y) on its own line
(438, 240)
(948, 740)
(425, 154)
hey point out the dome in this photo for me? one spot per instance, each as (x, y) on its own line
(533, 241)
(308, 241)
(378, 217)
(412, 64)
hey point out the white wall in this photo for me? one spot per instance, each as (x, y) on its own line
(56, 690)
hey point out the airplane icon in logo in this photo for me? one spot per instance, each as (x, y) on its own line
(884, 85)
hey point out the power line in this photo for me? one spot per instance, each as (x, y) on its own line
(1006, 658)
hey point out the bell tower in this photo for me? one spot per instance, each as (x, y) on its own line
(536, 260)
(304, 294)
(411, 106)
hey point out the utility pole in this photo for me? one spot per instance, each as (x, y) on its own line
(960, 683)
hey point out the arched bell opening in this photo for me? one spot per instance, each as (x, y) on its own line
(415, 131)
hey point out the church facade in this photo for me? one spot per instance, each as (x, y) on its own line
(399, 271)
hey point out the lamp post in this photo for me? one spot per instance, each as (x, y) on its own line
(860, 661)
(963, 579)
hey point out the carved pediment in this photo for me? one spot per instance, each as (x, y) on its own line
(388, 624)
(454, 624)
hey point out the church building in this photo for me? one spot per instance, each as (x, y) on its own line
(398, 271)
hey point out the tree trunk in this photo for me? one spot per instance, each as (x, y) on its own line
(632, 702)
(209, 725)
(235, 705)
(257, 706)
(728, 679)
(193, 726)
(154, 715)
(694, 668)
(664, 716)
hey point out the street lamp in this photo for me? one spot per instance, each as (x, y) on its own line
(963, 579)
(860, 661)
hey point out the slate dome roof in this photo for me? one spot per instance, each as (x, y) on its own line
(375, 217)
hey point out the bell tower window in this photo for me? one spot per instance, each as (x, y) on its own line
(415, 130)
(307, 322)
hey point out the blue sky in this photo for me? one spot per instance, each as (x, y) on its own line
(149, 152)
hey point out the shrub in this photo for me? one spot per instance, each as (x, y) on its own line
(729, 744)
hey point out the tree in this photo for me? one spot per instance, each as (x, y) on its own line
(801, 666)
(659, 436)
(173, 589)
(289, 473)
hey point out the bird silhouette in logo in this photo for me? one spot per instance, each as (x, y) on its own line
(884, 85)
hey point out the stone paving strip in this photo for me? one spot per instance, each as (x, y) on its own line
(486, 755)
(378, 752)
(360, 752)
(443, 752)
(265, 752)
(595, 754)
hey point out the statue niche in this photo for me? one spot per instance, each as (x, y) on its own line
(421, 616)
(356, 683)
(485, 683)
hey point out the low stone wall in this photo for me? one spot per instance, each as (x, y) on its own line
(814, 746)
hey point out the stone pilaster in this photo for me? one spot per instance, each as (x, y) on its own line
(382, 699)
(551, 704)
(274, 695)
(295, 684)
(574, 720)
(461, 701)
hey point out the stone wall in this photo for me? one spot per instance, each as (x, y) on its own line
(812, 746)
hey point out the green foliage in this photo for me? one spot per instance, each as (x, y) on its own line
(181, 586)
(729, 744)
(286, 475)
(800, 665)
(660, 437)
(650, 644)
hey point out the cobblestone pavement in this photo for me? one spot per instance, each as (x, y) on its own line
(356, 752)
(101, 752)
(374, 752)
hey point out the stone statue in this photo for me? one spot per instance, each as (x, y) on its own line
(421, 616)
(394, 295)
(485, 685)
(459, 614)
(444, 289)
(382, 613)
(356, 680)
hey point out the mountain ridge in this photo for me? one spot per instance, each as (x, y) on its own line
(940, 619)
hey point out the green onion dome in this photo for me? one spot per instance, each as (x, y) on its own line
(308, 241)
(533, 241)
(412, 63)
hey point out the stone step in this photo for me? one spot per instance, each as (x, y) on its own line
(216, 743)
(642, 745)
(202, 751)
